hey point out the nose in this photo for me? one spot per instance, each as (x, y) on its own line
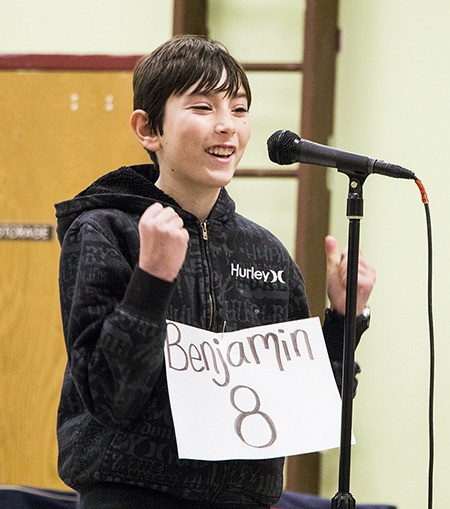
(225, 123)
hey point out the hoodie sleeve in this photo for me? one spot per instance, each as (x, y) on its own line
(333, 329)
(114, 324)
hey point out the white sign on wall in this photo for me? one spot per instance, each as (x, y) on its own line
(263, 392)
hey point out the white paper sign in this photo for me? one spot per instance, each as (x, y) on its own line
(263, 392)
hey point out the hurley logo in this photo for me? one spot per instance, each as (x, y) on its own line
(268, 276)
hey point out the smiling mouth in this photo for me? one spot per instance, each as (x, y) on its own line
(222, 152)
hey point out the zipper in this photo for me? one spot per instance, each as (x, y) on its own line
(204, 228)
(204, 233)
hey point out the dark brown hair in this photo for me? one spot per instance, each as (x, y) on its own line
(177, 65)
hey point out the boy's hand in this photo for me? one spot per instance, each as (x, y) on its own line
(164, 242)
(337, 278)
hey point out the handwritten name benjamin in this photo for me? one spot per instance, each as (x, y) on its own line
(211, 356)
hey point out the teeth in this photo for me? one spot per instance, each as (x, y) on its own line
(221, 151)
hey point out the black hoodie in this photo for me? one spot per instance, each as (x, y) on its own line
(114, 420)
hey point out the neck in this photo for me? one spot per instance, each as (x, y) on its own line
(196, 202)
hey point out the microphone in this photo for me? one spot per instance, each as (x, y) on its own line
(286, 147)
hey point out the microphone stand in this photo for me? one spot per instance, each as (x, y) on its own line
(343, 498)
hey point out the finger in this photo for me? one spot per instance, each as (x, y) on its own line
(162, 216)
(332, 252)
(344, 264)
(153, 210)
(185, 235)
(151, 213)
(168, 216)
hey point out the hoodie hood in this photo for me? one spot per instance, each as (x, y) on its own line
(130, 189)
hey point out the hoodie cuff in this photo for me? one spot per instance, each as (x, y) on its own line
(333, 331)
(148, 295)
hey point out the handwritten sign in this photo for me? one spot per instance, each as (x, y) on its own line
(263, 392)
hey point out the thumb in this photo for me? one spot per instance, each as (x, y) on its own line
(332, 252)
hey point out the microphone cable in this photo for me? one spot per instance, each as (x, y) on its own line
(425, 201)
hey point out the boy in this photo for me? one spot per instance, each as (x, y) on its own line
(153, 242)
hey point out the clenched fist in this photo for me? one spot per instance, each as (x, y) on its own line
(164, 242)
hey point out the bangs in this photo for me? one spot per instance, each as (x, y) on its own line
(214, 75)
(215, 81)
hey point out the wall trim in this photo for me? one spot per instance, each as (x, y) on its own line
(61, 62)
(65, 62)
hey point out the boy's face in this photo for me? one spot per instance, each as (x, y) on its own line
(205, 136)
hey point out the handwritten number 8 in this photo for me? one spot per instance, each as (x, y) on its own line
(246, 413)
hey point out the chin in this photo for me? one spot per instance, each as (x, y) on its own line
(221, 178)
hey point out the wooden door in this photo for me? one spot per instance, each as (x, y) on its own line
(58, 132)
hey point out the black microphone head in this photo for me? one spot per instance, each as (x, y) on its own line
(280, 145)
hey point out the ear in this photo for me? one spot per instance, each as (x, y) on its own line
(141, 126)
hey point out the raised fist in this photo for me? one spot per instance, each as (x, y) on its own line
(164, 242)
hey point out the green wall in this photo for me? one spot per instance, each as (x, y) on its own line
(392, 103)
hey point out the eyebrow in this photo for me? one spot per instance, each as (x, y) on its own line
(207, 93)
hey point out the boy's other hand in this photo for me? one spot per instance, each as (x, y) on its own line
(164, 242)
(337, 278)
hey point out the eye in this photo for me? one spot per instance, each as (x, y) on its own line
(240, 110)
(201, 107)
